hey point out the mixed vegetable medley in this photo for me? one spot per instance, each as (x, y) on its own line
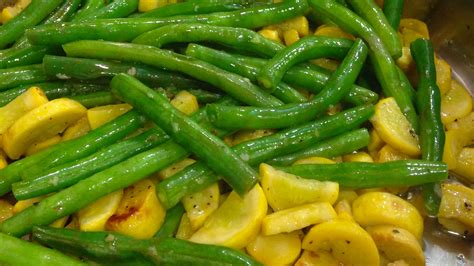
(227, 132)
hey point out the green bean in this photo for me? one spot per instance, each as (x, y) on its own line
(373, 175)
(202, 96)
(88, 69)
(36, 11)
(284, 92)
(310, 47)
(116, 9)
(16, 251)
(432, 134)
(242, 39)
(53, 90)
(189, 8)
(187, 133)
(171, 223)
(333, 147)
(90, 6)
(236, 86)
(70, 150)
(393, 10)
(336, 88)
(374, 15)
(109, 247)
(24, 56)
(95, 99)
(406, 85)
(129, 28)
(17, 76)
(65, 175)
(198, 176)
(78, 196)
(309, 79)
(384, 65)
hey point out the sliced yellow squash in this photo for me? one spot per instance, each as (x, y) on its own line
(98, 116)
(6, 210)
(292, 219)
(465, 164)
(393, 128)
(3, 160)
(381, 208)
(285, 190)
(147, 5)
(185, 231)
(456, 103)
(346, 241)
(21, 105)
(39, 146)
(95, 216)
(457, 203)
(344, 210)
(236, 222)
(185, 102)
(388, 154)
(358, 157)
(443, 75)
(39, 124)
(290, 37)
(78, 129)
(318, 258)
(200, 205)
(174, 168)
(397, 244)
(246, 135)
(314, 160)
(333, 31)
(140, 213)
(270, 34)
(375, 144)
(281, 249)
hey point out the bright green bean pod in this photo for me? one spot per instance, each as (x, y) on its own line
(90, 6)
(190, 8)
(116, 9)
(310, 47)
(95, 99)
(384, 65)
(36, 11)
(167, 251)
(239, 38)
(129, 28)
(374, 15)
(24, 56)
(373, 175)
(393, 10)
(16, 251)
(171, 223)
(78, 196)
(53, 90)
(309, 79)
(283, 91)
(406, 85)
(68, 174)
(17, 76)
(202, 96)
(236, 86)
(70, 150)
(333, 147)
(238, 174)
(89, 69)
(198, 176)
(336, 88)
(432, 134)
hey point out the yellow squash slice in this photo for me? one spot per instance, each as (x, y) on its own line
(236, 222)
(457, 203)
(95, 216)
(185, 231)
(200, 205)
(281, 249)
(98, 116)
(6, 210)
(185, 102)
(40, 124)
(465, 164)
(346, 241)
(285, 190)
(358, 157)
(456, 103)
(37, 147)
(381, 208)
(393, 128)
(78, 129)
(292, 219)
(318, 258)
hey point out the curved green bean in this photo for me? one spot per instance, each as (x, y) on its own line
(116, 9)
(88, 7)
(78, 196)
(198, 176)
(190, 8)
(239, 38)
(373, 175)
(374, 15)
(432, 134)
(95, 99)
(240, 176)
(236, 86)
(384, 65)
(310, 47)
(309, 79)
(36, 11)
(171, 223)
(16, 251)
(333, 147)
(336, 88)
(129, 28)
(17, 76)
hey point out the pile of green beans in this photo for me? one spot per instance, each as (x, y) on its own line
(105, 52)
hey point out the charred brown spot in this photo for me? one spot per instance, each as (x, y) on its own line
(119, 218)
